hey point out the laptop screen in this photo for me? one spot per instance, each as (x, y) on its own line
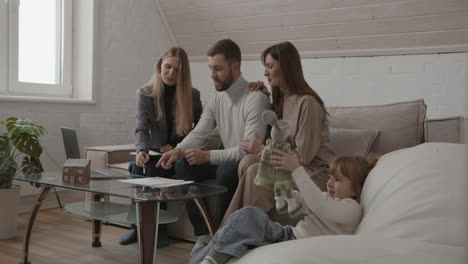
(70, 141)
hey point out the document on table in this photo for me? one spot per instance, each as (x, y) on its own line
(151, 153)
(156, 182)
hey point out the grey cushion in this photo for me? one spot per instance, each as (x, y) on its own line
(352, 142)
(449, 129)
(401, 125)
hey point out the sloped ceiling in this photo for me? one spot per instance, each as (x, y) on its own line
(320, 28)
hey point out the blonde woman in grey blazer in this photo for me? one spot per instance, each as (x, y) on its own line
(168, 109)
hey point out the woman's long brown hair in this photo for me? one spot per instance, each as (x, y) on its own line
(290, 63)
(183, 97)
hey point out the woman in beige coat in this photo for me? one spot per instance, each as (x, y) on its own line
(293, 100)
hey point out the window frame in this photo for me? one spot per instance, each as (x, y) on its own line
(63, 90)
(4, 47)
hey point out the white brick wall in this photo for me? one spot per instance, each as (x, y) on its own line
(440, 79)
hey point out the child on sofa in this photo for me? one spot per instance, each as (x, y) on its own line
(334, 212)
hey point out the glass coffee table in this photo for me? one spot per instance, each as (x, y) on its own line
(144, 210)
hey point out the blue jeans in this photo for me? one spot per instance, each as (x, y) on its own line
(225, 175)
(245, 229)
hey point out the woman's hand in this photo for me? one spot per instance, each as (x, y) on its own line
(166, 148)
(141, 159)
(284, 161)
(252, 145)
(259, 86)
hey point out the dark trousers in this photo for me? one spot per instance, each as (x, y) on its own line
(225, 175)
(150, 169)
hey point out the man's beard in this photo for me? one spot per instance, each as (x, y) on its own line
(225, 84)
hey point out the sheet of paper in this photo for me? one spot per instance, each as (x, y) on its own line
(172, 184)
(151, 153)
(156, 182)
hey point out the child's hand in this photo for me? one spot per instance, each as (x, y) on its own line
(284, 161)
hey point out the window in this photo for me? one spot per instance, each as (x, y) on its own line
(39, 46)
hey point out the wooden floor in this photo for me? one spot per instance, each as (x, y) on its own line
(59, 237)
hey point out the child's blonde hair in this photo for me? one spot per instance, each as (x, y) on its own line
(355, 168)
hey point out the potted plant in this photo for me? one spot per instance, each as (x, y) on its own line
(21, 140)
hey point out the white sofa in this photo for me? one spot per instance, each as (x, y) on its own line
(415, 211)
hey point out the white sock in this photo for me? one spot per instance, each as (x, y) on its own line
(209, 260)
(215, 257)
(280, 202)
(291, 204)
(201, 242)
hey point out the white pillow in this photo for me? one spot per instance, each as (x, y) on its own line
(419, 193)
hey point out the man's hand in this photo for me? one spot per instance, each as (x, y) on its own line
(252, 145)
(197, 156)
(166, 148)
(259, 86)
(169, 158)
(284, 161)
(141, 158)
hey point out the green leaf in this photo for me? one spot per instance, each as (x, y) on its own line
(23, 136)
(27, 144)
(5, 146)
(17, 126)
(31, 165)
(10, 123)
(8, 169)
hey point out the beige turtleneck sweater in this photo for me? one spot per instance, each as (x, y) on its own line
(237, 112)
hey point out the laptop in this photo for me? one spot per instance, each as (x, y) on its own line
(72, 151)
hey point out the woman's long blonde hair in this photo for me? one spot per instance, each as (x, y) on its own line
(183, 96)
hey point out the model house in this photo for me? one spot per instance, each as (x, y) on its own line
(76, 171)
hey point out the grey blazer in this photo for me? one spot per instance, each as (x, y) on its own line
(151, 133)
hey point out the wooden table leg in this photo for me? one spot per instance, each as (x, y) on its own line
(97, 225)
(147, 214)
(204, 211)
(31, 218)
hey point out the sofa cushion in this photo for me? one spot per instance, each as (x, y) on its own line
(418, 193)
(113, 153)
(352, 142)
(448, 129)
(400, 124)
(122, 166)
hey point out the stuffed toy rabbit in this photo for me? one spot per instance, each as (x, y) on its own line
(280, 181)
